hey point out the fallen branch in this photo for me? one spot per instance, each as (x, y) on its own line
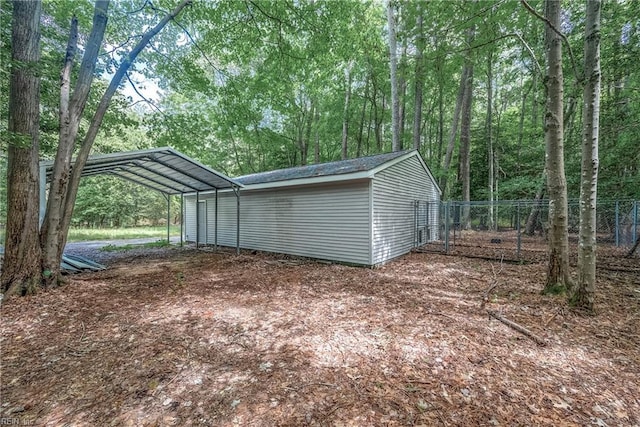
(515, 326)
(494, 284)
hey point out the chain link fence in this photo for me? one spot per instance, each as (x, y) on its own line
(517, 230)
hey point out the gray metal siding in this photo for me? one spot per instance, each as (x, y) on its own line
(394, 191)
(329, 221)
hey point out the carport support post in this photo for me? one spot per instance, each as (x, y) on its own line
(181, 217)
(237, 191)
(197, 219)
(215, 225)
(168, 218)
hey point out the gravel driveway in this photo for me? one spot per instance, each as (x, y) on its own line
(93, 249)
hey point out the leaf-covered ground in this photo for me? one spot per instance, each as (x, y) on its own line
(181, 337)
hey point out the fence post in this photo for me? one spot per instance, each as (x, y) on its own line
(635, 222)
(518, 228)
(446, 227)
(617, 224)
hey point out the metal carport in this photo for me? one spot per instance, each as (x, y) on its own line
(162, 169)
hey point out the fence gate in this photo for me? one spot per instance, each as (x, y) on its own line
(427, 223)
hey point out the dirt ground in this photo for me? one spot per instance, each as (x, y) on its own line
(199, 338)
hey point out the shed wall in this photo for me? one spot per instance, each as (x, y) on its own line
(190, 219)
(329, 221)
(395, 190)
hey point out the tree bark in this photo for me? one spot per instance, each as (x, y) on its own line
(21, 267)
(393, 66)
(585, 290)
(558, 277)
(70, 113)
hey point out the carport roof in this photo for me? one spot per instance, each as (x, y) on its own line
(162, 169)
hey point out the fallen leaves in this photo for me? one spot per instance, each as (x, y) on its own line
(216, 339)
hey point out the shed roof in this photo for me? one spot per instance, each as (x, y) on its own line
(162, 169)
(340, 167)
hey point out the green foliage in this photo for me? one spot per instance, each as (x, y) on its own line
(253, 86)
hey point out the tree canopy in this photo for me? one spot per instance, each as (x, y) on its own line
(254, 85)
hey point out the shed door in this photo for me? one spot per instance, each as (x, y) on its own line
(202, 216)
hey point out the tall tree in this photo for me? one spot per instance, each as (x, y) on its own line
(345, 115)
(393, 66)
(489, 137)
(465, 133)
(558, 275)
(63, 191)
(65, 181)
(21, 268)
(585, 290)
(453, 133)
(71, 111)
(419, 81)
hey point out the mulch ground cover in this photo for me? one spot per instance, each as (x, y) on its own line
(185, 337)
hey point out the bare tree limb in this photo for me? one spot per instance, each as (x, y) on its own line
(531, 10)
(144, 98)
(197, 46)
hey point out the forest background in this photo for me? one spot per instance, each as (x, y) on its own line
(248, 86)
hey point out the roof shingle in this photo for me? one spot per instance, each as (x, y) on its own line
(339, 167)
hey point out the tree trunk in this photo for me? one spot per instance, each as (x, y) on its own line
(402, 88)
(585, 291)
(419, 82)
(301, 126)
(316, 119)
(453, 133)
(307, 138)
(71, 110)
(393, 66)
(363, 114)
(21, 267)
(489, 136)
(465, 136)
(60, 210)
(345, 113)
(523, 106)
(558, 277)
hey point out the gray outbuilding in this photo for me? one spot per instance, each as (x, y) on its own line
(361, 211)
